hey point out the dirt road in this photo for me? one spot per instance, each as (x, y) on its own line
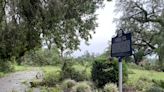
(14, 81)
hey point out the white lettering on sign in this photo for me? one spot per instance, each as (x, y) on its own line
(123, 38)
(118, 39)
(123, 46)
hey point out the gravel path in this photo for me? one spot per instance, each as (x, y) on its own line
(13, 81)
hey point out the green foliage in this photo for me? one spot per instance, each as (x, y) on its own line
(86, 59)
(143, 80)
(104, 72)
(23, 68)
(78, 73)
(138, 56)
(110, 87)
(159, 83)
(155, 89)
(134, 66)
(142, 85)
(51, 78)
(50, 89)
(68, 84)
(82, 87)
(130, 72)
(140, 74)
(36, 23)
(156, 67)
(35, 83)
(1, 74)
(6, 66)
(138, 18)
(41, 57)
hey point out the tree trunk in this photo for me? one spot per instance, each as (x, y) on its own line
(160, 61)
(135, 59)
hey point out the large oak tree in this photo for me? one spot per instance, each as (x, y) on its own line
(27, 24)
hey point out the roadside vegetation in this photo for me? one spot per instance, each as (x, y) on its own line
(43, 34)
(91, 73)
(88, 73)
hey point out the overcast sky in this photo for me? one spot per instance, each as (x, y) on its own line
(104, 31)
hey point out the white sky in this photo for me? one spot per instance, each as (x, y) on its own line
(104, 31)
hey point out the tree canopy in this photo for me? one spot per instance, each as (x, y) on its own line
(27, 24)
(145, 19)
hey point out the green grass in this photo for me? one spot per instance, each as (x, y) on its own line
(50, 68)
(21, 68)
(2, 74)
(137, 74)
(25, 68)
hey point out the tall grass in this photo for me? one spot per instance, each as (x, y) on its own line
(150, 75)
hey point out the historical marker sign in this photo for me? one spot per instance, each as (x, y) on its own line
(121, 45)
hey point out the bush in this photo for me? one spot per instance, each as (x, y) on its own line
(41, 57)
(82, 87)
(155, 89)
(159, 83)
(6, 66)
(51, 78)
(50, 89)
(110, 87)
(34, 83)
(68, 84)
(142, 85)
(73, 73)
(104, 72)
(79, 75)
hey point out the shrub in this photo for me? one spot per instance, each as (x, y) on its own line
(147, 66)
(51, 78)
(79, 75)
(68, 84)
(82, 87)
(104, 72)
(50, 89)
(155, 89)
(159, 83)
(73, 73)
(140, 84)
(143, 85)
(6, 66)
(110, 87)
(128, 88)
(34, 83)
(41, 57)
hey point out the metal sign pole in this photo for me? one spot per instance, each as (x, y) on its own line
(120, 74)
(121, 47)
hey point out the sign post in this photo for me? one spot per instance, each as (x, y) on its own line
(120, 74)
(121, 47)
